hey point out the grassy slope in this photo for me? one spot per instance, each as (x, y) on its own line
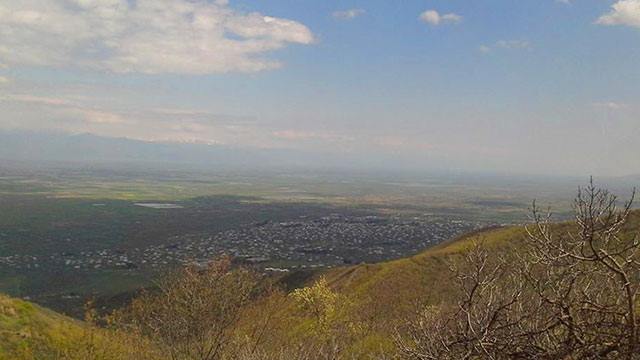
(388, 293)
(30, 332)
(424, 276)
(27, 329)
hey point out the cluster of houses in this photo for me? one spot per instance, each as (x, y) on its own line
(278, 246)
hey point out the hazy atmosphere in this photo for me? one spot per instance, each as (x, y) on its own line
(319, 180)
(546, 87)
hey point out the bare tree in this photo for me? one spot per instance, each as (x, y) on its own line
(572, 293)
(193, 314)
(481, 323)
(588, 276)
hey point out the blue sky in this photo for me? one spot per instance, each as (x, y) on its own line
(540, 86)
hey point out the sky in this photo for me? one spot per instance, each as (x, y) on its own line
(544, 86)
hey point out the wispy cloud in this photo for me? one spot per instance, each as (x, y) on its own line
(434, 18)
(201, 116)
(102, 117)
(70, 107)
(302, 135)
(513, 44)
(348, 14)
(505, 44)
(75, 114)
(610, 105)
(150, 36)
(32, 99)
(402, 143)
(484, 49)
(623, 12)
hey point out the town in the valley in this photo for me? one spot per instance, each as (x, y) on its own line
(325, 241)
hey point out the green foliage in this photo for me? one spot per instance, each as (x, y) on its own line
(320, 302)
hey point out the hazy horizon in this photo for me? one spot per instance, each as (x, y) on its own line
(61, 150)
(546, 87)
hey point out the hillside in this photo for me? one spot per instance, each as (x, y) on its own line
(30, 332)
(27, 330)
(376, 297)
(395, 287)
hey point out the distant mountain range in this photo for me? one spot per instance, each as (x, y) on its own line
(62, 147)
(44, 147)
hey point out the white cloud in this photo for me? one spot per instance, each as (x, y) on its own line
(402, 143)
(347, 14)
(611, 105)
(41, 100)
(101, 117)
(451, 18)
(484, 49)
(4, 80)
(300, 135)
(83, 112)
(432, 17)
(623, 12)
(150, 36)
(86, 114)
(505, 44)
(566, 2)
(513, 44)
